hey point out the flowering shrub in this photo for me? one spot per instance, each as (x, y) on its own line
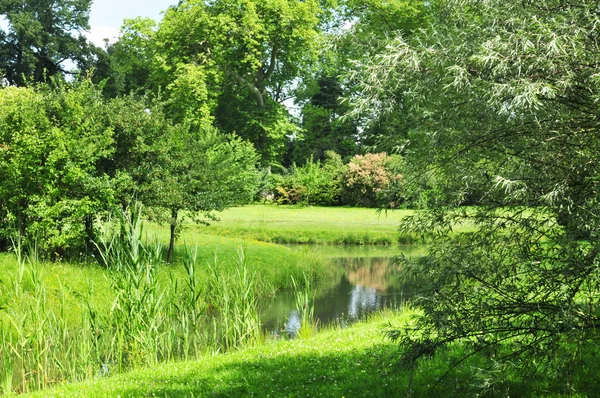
(373, 180)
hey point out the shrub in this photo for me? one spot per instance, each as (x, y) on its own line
(373, 180)
(50, 145)
(313, 183)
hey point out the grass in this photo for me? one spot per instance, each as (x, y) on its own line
(351, 362)
(64, 322)
(308, 225)
(354, 362)
(155, 331)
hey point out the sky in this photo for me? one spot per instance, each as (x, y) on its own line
(106, 16)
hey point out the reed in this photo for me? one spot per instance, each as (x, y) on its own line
(234, 304)
(305, 306)
(151, 318)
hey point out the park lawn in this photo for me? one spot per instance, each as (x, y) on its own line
(315, 225)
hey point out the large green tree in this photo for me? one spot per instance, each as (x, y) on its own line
(41, 36)
(249, 53)
(126, 65)
(353, 33)
(500, 99)
(324, 127)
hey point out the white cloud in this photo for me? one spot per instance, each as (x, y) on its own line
(97, 34)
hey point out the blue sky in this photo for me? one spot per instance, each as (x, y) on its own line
(106, 16)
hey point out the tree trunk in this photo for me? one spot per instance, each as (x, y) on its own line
(172, 238)
(89, 233)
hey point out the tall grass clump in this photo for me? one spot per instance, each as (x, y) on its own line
(50, 335)
(234, 305)
(137, 313)
(35, 343)
(305, 305)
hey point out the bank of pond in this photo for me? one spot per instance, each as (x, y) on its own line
(70, 322)
(230, 317)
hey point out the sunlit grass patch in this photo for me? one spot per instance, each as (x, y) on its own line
(309, 225)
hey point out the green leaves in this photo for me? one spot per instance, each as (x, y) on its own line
(54, 140)
(235, 62)
(40, 37)
(497, 102)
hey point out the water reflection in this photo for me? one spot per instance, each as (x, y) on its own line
(364, 285)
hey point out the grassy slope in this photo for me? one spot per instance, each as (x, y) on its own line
(351, 362)
(354, 362)
(274, 263)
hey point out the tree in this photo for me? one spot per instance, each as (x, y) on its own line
(199, 172)
(41, 36)
(354, 32)
(250, 52)
(324, 127)
(129, 61)
(50, 143)
(501, 98)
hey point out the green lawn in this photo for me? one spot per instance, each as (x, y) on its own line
(354, 362)
(297, 224)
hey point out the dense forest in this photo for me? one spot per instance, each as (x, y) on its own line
(478, 113)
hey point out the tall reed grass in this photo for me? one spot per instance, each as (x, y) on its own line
(151, 318)
(305, 306)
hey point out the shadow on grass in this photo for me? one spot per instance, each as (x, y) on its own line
(357, 373)
(347, 374)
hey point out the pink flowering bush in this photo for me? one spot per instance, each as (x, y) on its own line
(373, 180)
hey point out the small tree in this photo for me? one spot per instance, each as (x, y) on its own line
(50, 144)
(310, 176)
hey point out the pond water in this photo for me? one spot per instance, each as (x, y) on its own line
(366, 281)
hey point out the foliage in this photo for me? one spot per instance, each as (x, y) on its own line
(135, 317)
(62, 321)
(323, 126)
(354, 32)
(373, 180)
(41, 37)
(69, 155)
(129, 61)
(51, 144)
(313, 183)
(305, 306)
(199, 171)
(233, 299)
(241, 85)
(352, 361)
(501, 97)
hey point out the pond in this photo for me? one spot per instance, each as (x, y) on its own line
(367, 280)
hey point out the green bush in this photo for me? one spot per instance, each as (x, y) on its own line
(50, 144)
(313, 183)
